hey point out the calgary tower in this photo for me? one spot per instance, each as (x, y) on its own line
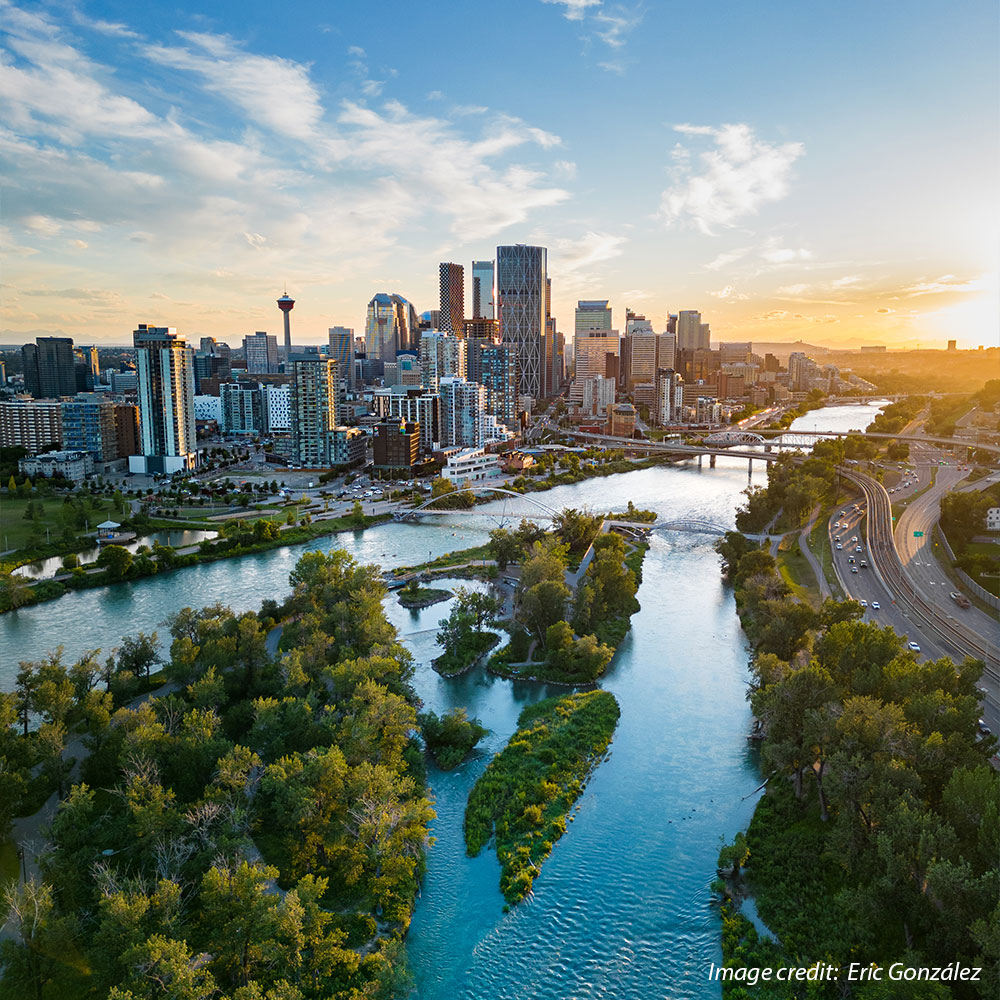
(285, 304)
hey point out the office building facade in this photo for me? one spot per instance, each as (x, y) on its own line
(692, 334)
(482, 290)
(442, 355)
(391, 325)
(261, 351)
(521, 281)
(49, 367)
(396, 444)
(463, 410)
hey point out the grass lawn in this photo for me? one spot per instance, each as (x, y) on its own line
(456, 558)
(8, 862)
(796, 571)
(16, 530)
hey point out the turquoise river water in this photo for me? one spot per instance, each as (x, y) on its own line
(622, 909)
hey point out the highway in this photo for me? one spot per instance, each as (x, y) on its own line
(936, 630)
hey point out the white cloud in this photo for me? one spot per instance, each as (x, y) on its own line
(945, 283)
(727, 257)
(276, 93)
(731, 181)
(574, 10)
(609, 25)
(574, 257)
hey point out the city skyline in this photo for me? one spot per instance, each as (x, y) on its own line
(183, 170)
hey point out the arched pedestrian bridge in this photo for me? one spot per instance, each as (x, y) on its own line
(527, 506)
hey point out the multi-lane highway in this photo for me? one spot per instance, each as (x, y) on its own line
(938, 631)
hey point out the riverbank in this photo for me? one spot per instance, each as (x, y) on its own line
(17, 593)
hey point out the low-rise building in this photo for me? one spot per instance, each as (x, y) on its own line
(993, 519)
(348, 446)
(469, 465)
(72, 465)
(621, 420)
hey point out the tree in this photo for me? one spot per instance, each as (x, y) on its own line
(358, 514)
(116, 559)
(139, 654)
(40, 938)
(442, 487)
(505, 547)
(483, 608)
(451, 737)
(543, 605)
(15, 591)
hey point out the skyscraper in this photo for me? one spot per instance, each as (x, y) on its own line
(521, 285)
(590, 351)
(166, 401)
(451, 279)
(49, 367)
(342, 351)
(261, 350)
(497, 373)
(391, 325)
(285, 304)
(463, 409)
(314, 409)
(692, 334)
(592, 314)
(442, 355)
(482, 289)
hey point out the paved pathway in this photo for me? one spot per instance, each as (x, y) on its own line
(817, 568)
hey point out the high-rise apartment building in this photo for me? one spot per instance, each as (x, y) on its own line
(88, 424)
(243, 408)
(442, 355)
(416, 405)
(391, 325)
(451, 282)
(668, 405)
(639, 347)
(49, 367)
(521, 288)
(31, 424)
(482, 290)
(463, 412)
(692, 334)
(261, 351)
(127, 429)
(598, 395)
(497, 369)
(166, 401)
(314, 409)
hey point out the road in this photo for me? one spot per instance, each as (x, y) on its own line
(904, 606)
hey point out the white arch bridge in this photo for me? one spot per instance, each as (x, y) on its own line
(543, 512)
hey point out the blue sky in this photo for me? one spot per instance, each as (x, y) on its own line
(790, 169)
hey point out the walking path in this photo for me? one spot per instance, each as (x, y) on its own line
(817, 567)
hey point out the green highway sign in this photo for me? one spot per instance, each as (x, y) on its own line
(918, 534)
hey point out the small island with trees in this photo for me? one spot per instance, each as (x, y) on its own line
(522, 799)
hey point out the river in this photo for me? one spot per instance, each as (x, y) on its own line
(622, 908)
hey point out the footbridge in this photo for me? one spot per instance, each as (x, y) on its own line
(536, 509)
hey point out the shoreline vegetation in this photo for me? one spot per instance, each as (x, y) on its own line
(258, 826)
(877, 837)
(116, 564)
(521, 800)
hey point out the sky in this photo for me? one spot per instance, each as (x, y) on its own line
(793, 170)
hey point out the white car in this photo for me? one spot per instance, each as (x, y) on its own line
(857, 548)
(876, 606)
(839, 546)
(863, 604)
(913, 646)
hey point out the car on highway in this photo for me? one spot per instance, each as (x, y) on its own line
(857, 548)
(854, 538)
(913, 646)
(854, 569)
(839, 546)
(863, 604)
(864, 564)
(960, 599)
(876, 606)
